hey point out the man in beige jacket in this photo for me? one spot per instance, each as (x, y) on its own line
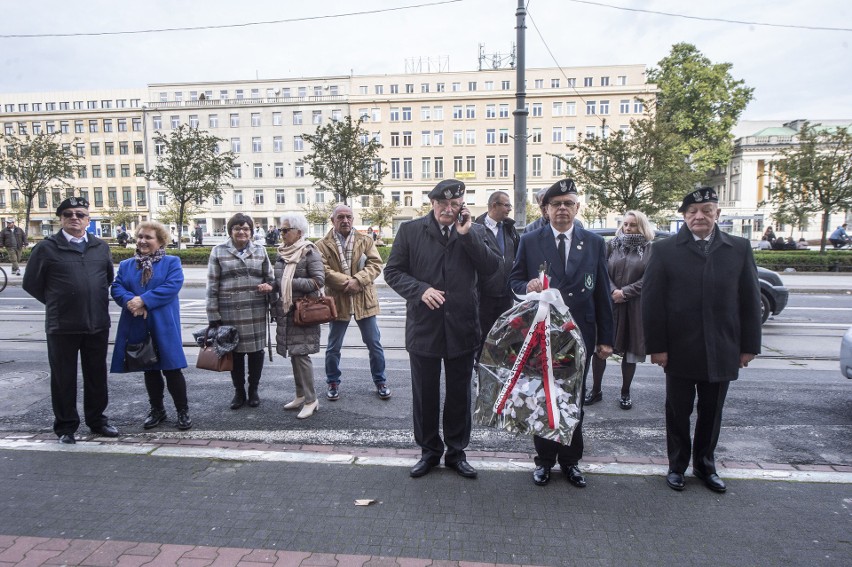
(352, 264)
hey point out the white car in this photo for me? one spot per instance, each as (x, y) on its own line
(846, 354)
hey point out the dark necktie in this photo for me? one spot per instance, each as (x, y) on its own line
(702, 245)
(561, 248)
(446, 231)
(500, 242)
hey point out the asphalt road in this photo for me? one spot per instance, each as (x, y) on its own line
(790, 406)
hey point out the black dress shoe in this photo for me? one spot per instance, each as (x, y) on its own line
(541, 476)
(67, 439)
(422, 468)
(711, 481)
(184, 421)
(675, 480)
(625, 402)
(106, 430)
(155, 417)
(575, 477)
(593, 398)
(253, 398)
(463, 468)
(239, 399)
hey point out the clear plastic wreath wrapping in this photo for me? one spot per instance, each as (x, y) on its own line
(531, 370)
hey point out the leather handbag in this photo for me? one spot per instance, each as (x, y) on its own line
(140, 356)
(208, 359)
(314, 310)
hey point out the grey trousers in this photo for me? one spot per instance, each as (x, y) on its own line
(303, 373)
(15, 257)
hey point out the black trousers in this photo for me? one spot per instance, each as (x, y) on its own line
(490, 308)
(426, 392)
(680, 397)
(255, 369)
(62, 353)
(548, 452)
(155, 386)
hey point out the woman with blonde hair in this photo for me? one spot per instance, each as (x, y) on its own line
(298, 272)
(627, 257)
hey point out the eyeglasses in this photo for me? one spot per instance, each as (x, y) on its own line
(241, 229)
(507, 205)
(566, 204)
(69, 214)
(286, 229)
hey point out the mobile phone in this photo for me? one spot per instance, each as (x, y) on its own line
(461, 218)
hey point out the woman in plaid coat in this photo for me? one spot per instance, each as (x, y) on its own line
(239, 277)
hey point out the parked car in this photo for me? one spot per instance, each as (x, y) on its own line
(846, 354)
(773, 294)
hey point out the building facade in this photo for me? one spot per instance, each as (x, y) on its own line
(432, 126)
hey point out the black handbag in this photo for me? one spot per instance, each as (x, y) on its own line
(141, 356)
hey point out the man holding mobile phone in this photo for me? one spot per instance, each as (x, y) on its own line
(435, 264)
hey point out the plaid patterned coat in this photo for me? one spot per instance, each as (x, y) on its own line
(309, 277)
(232, 295)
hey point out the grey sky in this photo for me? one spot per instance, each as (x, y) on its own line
(797, 73)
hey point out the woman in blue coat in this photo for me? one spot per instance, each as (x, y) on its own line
(146, 287)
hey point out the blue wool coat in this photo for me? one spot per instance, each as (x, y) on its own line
(161, 299)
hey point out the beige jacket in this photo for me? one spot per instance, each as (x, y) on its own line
(363, 304)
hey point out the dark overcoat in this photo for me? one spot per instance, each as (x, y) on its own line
(421, 258)
(626, 271)
(583, 283)
(160, 295)
(702, 309)
(497, 284)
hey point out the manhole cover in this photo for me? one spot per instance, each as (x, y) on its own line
(18, 378)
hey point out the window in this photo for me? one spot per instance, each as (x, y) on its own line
(159, 148)
(276, 119)
(278, 144)
(621, 80)
(376, 114)
(409, 88)
(238, 197)
(570, 109)
(624, 106)
(278, 169)
(157, 122)
(557, 109)
(99, 197)
(237, 171)
(489, 85)
(297, 117)
(458, 164)
(110, 171)
(125, 170)
(63, 126)
(319, 196)
(604, 81)
(82, 172)
(470, 137)
(406, 139)
(107, 125)
(394, 139)
(425, 113)
(394, 114)
(193, 121)
(535, 138)
(302, 92)
(235, 145)
(604, 109)
(380, 89)
(50, 127)
(140, 196)
(78, 105)
(78, 126)
(491, 136)
(490, 111)
(336, 115)
(554, 83)
(63, 106)
(109, 148)
(407, 168)
(93, 126)
(213, 120)
(239, 94)
(140, 170)
(137, 147)
(316, 117)
(394, 169)
(638, 106)
(557, 165)
(438, 137)
(439, 168)
(536, 166)
(298, 144)
(137, 124)
(588, 81)
(235, 120)
(591, 107)
(504, 110)
(122, 124)
(471, 85)
(280, 197)
(424, 87)
(258, 196)
(539, 84)
(394, 89)
(317, 91)
(426, 168)
(537, 109)
(126, 197)
(80, 149)
(299, 169)
(406, 114)
(505, 85)
(504, 136)
(255, 119)
(570, 134)
(458, 137)
(300, 196)
(557, 134)
(470, 111)
(458, 112)
(490, 166)
(438, 112)
(123, 148)
(439, 87)
(256, 145)
(590, 132)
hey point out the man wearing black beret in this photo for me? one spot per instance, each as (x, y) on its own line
(701, 313)
(577, 268)
(435, 264)
(70, 273)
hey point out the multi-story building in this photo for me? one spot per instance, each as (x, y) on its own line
(432, 126)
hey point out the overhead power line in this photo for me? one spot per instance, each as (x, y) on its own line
(709, 19)
(225, 26)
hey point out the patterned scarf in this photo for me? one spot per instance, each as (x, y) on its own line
(291, 255)
(627, 243)
(145, 262)
(345, 251)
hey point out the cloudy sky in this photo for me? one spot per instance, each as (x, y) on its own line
(797, 72)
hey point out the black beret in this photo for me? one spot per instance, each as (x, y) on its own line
(72, 202)
(562, 187)
(448, 189)
(700, 195)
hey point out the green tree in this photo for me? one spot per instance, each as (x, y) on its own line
(190, 168)
(319, 213)
(345, 160)
(34, 163)
(119, 215)
(380, 212)
(171, 213)
(640, 169)
(700, 102)
(815, 174)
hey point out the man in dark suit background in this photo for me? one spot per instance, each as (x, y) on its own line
(435, 264)
(701, 313)
(494, 294)
(577, 267)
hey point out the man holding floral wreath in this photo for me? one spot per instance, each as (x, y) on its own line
(577, 268)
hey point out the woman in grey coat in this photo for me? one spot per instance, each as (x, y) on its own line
(627, 257)
(298, 272)
(239, 277)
